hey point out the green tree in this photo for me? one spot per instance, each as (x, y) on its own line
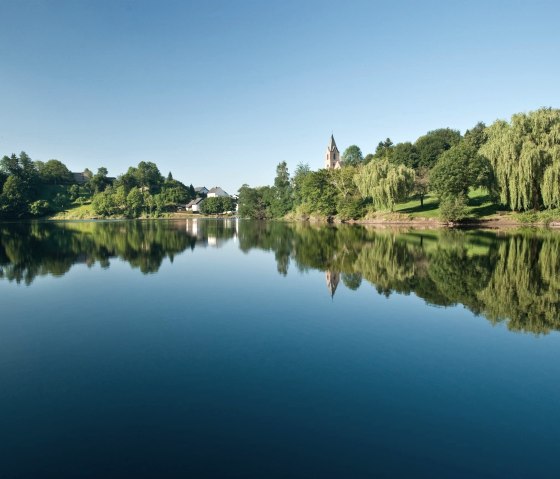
(135, 203)
(459, 169)
(254, 202)
(525, 154)
(13, 199)
(352, 156)
(384, 149)
(148, 176)
(318, 192)
(302, 169)
(405, 154)
(386, 183)
(281, 201)
(99, 182)
(434, 143)
(422, 183)
(212, 206)
(53, 172)
(477, 136)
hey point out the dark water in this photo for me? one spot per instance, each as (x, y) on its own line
(224, 349)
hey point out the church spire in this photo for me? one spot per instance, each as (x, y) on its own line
(332, 159)
(332, 145)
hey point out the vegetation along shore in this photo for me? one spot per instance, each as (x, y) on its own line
(505, 173)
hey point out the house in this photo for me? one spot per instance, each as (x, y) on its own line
(332, 159)
(216, 192)
(201, 191)
(194, 205)
(80, 178)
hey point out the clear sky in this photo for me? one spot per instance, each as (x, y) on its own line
(219, 92)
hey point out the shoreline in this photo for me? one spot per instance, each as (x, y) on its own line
(504, 222)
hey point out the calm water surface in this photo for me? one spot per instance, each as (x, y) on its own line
(240, 349)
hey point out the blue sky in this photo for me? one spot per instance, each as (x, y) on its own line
(219, 92)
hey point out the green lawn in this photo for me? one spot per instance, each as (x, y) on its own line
(479, 206)
(75, 212)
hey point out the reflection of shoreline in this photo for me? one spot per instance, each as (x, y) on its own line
(505, 276)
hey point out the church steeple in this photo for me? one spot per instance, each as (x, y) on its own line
(332, 159)
(333, 277)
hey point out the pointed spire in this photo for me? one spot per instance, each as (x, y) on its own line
(332, 144)
(333, 278)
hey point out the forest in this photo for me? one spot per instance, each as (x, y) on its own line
(505, 167)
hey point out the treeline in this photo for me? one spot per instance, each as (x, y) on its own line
(33, 189)
(517, 163)
(142, 191)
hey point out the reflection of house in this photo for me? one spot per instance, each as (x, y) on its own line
(194, 205)
(332, 159)
(216, 192)
(332, 281)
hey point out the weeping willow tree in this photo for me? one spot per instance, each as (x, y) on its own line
(386, 183)
(525, 156)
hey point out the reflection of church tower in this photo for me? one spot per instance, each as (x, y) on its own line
(332, 159)
(332, 281)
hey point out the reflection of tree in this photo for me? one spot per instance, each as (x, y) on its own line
(28, 250)
(524, 285)
(513, 277)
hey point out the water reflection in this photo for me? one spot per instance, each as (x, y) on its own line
(503, 276)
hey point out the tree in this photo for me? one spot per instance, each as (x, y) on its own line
(434, 143)
(384, 149)
(524, 155)
(302, 169)
(422, 183)
(135, 203)
(318, 192)
(148, 176)
(477, 136)
(405, 154)
(459, 169)
(254, 202)
(99, 182)
(217, 205)
(282, 195)
(352, 156)
(10, 165)
(13, 198)
(53, 172)
(386, 183)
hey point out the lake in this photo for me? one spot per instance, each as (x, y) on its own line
(225, 348)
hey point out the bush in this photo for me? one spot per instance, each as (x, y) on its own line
(453, 208)
(351, 208)
(39, 208)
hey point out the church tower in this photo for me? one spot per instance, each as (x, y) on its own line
(332, 159)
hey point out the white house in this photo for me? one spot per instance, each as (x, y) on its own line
(216, 192)
(194, 205)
